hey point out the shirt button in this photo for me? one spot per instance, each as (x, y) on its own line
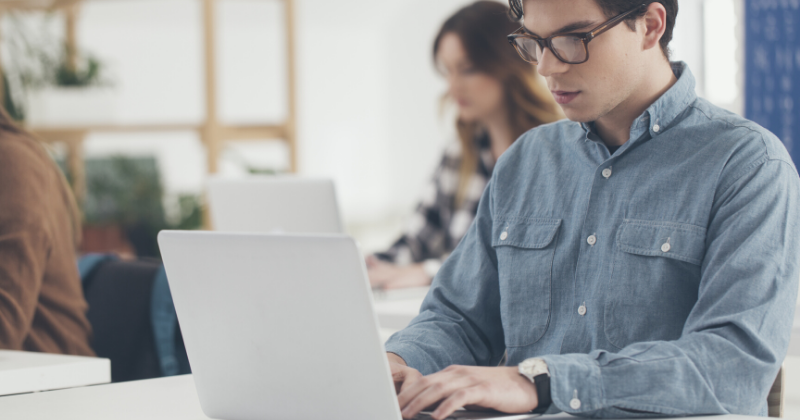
(582, 310)
(591, 240)
(575, 404)
(665, 248)
(656, 128)
(607, 173)
(503, 236)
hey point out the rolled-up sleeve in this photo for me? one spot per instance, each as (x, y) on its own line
(737, 334)
(459, 321)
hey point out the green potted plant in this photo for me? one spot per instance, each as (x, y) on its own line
(124, 209)
(46, 84)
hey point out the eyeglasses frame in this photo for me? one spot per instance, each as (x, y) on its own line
(586, 37)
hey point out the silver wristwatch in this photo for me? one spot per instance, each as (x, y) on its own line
(533, 367)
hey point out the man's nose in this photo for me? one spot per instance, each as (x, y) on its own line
(549, 64)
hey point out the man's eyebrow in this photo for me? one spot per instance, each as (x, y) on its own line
(569, 28)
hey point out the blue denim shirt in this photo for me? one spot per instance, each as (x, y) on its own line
(660, 279)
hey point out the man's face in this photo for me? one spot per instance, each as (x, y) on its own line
(600, 86)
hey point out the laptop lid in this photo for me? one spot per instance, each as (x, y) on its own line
(279, 326)
(274, 204)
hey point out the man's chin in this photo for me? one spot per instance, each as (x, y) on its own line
(578, 115)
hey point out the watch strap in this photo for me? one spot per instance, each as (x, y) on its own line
(542, 382)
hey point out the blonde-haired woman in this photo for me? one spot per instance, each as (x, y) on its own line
(42, 307)
(498, 98)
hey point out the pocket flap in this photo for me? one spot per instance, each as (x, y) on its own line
(679, 241)
(520, 232)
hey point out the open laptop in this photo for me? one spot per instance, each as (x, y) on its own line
(280, 327)
(287, 204)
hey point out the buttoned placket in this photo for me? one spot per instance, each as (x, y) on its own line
(591, 269)
(594, 243)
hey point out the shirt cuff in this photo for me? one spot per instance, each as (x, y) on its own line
(412, 354)
(575, 383)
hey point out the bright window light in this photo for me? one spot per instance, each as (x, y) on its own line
(721, 67)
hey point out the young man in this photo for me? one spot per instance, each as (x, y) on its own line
(640, 258)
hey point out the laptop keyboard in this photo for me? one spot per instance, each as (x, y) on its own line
(424, 416)
(475, 415)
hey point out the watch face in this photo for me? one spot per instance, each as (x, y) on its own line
(533, 367)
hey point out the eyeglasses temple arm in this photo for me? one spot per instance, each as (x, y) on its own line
(611, 23)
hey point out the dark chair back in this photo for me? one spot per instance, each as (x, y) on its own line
(120, 294)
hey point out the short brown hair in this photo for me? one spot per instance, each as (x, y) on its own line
(615, 7)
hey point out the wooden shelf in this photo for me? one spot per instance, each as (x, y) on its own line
(224, 132)
(35, 4)
(212, 133)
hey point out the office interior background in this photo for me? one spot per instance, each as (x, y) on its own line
(368, 98)
(368, 101)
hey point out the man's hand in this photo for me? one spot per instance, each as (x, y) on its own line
(401, 373)
(385, 275)
(499, 388)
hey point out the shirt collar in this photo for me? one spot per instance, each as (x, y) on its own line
(663, 112)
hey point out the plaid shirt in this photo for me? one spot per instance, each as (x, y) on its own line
(437, 225)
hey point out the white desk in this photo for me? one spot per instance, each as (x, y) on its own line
(397, 314)
(396, 308)
(22, 372)
(154, 399)
(172, 398)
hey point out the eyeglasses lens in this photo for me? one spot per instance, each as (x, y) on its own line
(570, 48)
(528, 49)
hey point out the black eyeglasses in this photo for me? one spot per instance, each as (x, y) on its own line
(569, 48)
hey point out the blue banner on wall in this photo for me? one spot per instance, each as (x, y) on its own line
(772, 68)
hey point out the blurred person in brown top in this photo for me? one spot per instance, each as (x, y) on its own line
(42, 307)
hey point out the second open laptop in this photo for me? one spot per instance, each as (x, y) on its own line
(280, 327)
(287, 204)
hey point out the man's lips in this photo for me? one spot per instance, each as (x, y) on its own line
(564, 97)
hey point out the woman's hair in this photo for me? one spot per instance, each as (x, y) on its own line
(482, 27)
(8, 125)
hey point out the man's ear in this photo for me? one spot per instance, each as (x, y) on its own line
(655, 23)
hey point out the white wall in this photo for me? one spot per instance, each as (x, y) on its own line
(368, 96)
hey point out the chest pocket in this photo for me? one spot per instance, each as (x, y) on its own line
(655, 280)
(525, 248)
